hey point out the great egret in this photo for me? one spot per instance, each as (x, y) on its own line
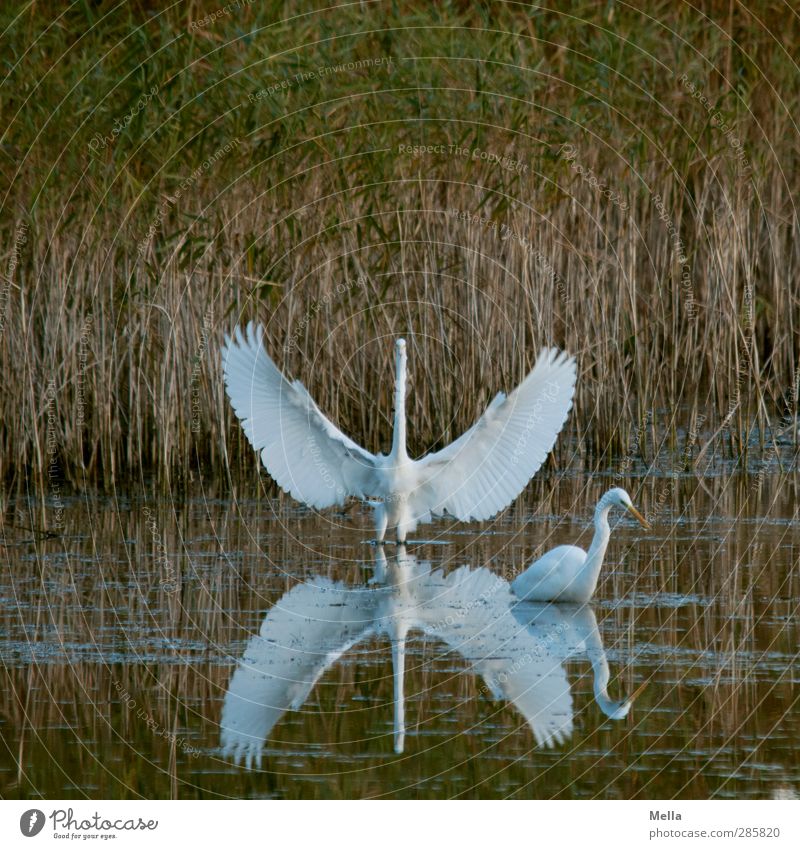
(475, 477)
(518, 649)
(567, 572)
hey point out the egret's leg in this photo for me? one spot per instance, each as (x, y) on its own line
(381, 521)
(402, 531)
(406, 523)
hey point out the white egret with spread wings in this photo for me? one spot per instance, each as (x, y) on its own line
(518, 649)
(473, 478)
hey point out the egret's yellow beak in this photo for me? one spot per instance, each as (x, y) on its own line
(642, 521)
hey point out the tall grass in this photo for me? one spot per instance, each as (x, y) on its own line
(660, 247)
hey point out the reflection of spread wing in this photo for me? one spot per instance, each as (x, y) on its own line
(302, 635)
(474, 617)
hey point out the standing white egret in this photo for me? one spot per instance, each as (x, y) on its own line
(567, 572)
(475, 477)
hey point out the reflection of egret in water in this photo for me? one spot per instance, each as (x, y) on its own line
(572, 630)
(518, 649)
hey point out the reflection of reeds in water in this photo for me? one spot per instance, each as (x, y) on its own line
(130, 340)
(705, 608)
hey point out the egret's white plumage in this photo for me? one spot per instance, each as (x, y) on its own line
(518, 649)
(568, 573)
(474, 477)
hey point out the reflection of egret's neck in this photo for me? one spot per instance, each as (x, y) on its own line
(612, 709)
(399, 668)
(597, 657)
(400, 609)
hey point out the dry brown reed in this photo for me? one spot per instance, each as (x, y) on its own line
(660, 246)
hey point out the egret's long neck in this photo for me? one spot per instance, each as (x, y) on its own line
(597, 550)
(399, 435)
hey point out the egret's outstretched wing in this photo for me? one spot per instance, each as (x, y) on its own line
(307, 454)
(473, 615)
(487, 467)
(304, 634)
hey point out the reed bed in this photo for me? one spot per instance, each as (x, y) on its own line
(616, 181)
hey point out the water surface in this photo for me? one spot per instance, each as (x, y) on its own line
(122, 634)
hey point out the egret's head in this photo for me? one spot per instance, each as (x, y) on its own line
(400, 355)
(619, 710)
(619, 496)
(401, 371)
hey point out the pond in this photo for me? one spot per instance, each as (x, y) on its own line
(218, 646)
